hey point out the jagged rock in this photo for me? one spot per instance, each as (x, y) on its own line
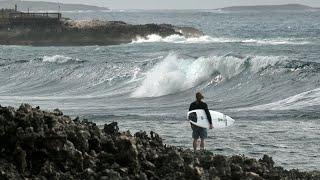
(110, 174)
(41, 145)
(221, 165)
(57, 112)
(143, 176)
(25, 108)
(236, 171)
(51, 120)
(89, 174)
(127, 153)
(20, 158)
(49, 171)
(111, 129)
(267, 161)
(149, 165)
(252, 176)
(8, 171)
(192, 173)
(108, 145)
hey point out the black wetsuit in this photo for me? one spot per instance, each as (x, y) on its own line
(201, 105)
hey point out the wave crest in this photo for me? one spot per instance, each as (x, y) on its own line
(175, 74)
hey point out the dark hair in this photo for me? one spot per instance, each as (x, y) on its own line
(199, 96)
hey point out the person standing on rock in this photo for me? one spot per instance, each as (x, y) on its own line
(198, 132)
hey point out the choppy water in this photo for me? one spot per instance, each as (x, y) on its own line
(262, 69)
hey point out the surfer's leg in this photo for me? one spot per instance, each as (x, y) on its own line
(195, 144)
(202, 144)
(195, 136)
(203, 136)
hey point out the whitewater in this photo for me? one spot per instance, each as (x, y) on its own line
(260, 68)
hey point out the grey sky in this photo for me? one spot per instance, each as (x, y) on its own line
(182, 4)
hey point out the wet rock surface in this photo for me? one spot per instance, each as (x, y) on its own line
(36, 144)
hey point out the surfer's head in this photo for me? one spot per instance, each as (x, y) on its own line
(199, 96)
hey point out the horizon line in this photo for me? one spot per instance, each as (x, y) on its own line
(173, 8)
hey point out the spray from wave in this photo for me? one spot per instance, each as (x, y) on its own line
(175, 74)
(208, 39)
(59, 59)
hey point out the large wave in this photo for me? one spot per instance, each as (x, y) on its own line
(208, 39)
(175, 74)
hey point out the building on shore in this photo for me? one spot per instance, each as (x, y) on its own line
(34, 19)
(11, 18)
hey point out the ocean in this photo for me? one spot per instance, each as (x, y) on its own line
(260, 68)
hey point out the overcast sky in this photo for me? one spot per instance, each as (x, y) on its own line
(182, 4)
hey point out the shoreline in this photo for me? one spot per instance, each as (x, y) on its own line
(46, 145)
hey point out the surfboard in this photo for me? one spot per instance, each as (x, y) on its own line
(199, 118)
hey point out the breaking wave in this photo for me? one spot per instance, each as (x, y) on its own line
(208, 39)
(175, 74)
(59, 59)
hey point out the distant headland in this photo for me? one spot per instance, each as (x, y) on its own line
(284, 7)
(43, 29)
(48, 6)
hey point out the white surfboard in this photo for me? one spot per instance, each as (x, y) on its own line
(199, 118)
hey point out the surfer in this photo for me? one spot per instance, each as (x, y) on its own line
(198, 132)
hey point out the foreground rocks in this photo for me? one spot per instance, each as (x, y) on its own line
(37, 144)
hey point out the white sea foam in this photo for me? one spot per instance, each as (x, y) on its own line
(208, 39)
(175, 38)
(59, 59)
(175, 74)
(277, 41)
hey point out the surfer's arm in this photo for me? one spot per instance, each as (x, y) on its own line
(190, 108)
(208, 114)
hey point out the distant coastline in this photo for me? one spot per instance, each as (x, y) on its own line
(47, 6)
(284, 7)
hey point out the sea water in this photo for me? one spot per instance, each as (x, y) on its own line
(260, 68)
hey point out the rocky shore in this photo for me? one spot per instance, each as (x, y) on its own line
(36, 144)
(94, 32)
